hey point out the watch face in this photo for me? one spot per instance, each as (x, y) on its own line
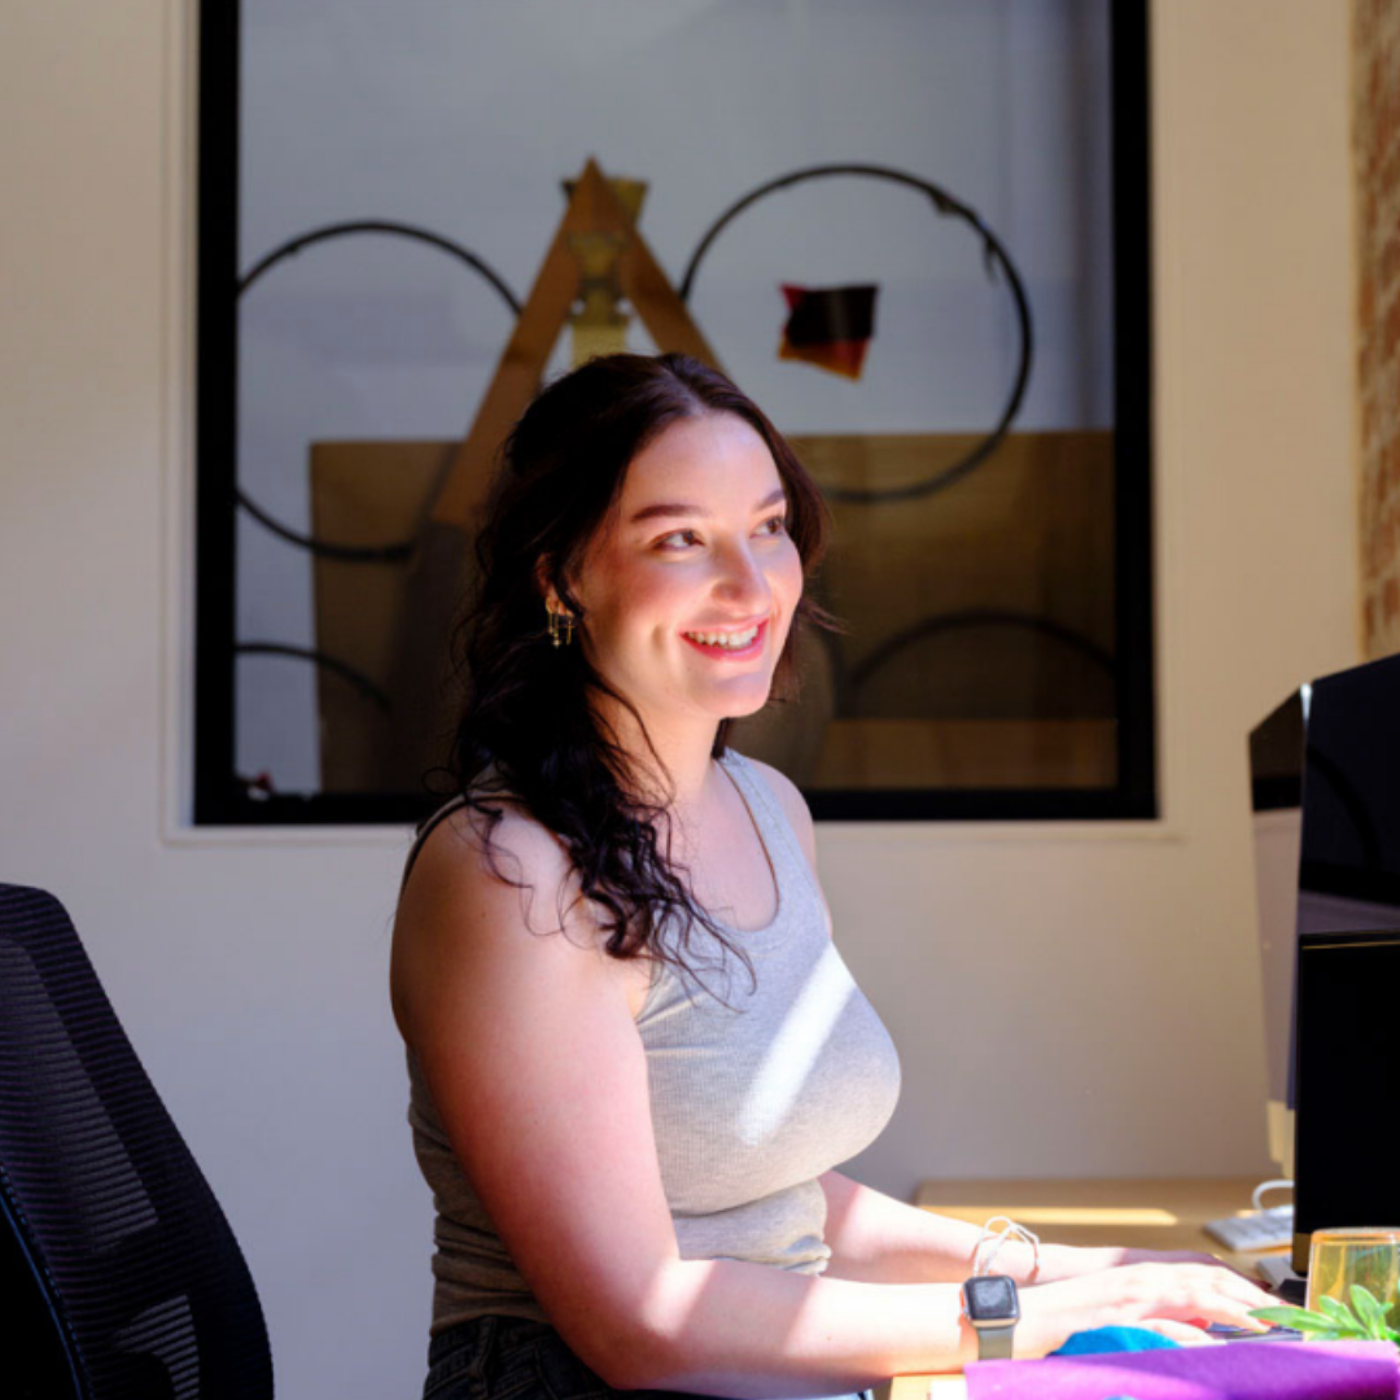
(991, 1299)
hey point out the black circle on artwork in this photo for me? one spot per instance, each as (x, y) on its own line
(357, 554)
(994, 255)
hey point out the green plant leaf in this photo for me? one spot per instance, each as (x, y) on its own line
(1300, 1318)
(1368, 1308)
(1341, 1316)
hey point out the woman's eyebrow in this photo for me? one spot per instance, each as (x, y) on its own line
(676, 508)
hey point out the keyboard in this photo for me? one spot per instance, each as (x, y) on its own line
(1276, 1270)
(1245, 1334)
(1260, 1229)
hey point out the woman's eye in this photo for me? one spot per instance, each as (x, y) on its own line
(678, 539)
(777, 525)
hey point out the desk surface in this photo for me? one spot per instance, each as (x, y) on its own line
(1146, 1213)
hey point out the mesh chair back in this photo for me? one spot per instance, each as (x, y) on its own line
(140, 1273)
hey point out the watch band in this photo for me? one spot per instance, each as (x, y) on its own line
(994, 1341)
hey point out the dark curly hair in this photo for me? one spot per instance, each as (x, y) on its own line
(528, 729)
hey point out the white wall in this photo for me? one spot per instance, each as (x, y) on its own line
(1113, 966)
(1119, 970)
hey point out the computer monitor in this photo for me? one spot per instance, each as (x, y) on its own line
(1276, 747)
(1349, 864)
(1325, 779)
(1348, 1095)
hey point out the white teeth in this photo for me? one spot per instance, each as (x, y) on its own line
(734, 641)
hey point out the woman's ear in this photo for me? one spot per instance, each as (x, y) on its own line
(548, 592)
(542, 583)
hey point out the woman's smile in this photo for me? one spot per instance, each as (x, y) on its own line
(741, 645)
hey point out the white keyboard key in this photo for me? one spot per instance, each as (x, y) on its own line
(1261, 1229)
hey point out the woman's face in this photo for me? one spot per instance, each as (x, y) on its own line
(690, 585)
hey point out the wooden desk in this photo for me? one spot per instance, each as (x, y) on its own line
(1147, 1213)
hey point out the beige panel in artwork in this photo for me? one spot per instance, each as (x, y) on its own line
(364, 493)
(967, 753)
(1030, 531)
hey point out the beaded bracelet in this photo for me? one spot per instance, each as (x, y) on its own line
(991, 1240)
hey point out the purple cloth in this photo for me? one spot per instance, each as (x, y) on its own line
(1234, 1371)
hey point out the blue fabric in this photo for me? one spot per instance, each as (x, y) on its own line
(1102, 1339)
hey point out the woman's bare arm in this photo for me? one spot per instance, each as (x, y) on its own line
(874, 1237)
(528, 1044)
(527, 1041)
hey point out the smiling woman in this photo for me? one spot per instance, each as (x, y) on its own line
(714, 576)
(651, 510)
(636, 1057)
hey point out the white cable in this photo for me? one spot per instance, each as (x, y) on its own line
(1279, 1183)
(996, 1238)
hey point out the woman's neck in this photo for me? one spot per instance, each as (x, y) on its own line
(671, 762)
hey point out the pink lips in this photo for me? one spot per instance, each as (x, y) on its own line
(754, 648)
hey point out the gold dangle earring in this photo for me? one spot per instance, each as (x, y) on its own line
(561, 626)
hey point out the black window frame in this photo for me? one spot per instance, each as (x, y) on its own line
(219, 800)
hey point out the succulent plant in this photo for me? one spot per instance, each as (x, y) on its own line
(1334, 1321)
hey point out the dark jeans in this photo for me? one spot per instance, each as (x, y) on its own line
(509, 1358)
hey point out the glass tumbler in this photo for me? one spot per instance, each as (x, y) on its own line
(1368, 1255)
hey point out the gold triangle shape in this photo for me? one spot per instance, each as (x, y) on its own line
(594, 208)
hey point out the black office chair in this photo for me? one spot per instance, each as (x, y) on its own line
(119, 1275)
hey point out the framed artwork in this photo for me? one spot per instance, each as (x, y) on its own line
(914, 231)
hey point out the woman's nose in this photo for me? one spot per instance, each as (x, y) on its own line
(741, 580)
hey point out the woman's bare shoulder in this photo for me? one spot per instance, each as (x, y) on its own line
(494, 856)
(484, 889)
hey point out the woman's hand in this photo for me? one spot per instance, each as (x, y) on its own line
(1060, 1262)
(1173, 1256)
(1182, 1256)
(1175, 1299)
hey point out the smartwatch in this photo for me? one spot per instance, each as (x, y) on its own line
(991, 1306)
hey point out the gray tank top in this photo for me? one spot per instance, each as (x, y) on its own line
(757, 1088)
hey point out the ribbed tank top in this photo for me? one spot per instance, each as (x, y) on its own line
(757, 1087)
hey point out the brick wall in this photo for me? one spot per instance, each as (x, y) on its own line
(1376, 144)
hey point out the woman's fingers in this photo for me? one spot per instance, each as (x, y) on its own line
(1249, 1295)
(1210, 1261)
(1234, 1315)
(1216, 1296)
(1166, 1297)
(1182, 1332)
(1198, 1293)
